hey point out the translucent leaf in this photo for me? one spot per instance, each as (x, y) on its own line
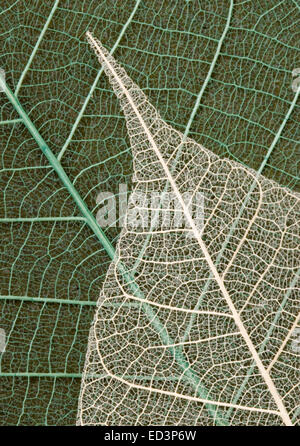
(180, 335)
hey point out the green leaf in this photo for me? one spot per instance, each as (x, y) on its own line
(219, 72)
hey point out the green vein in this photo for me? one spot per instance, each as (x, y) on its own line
(36, 47)
(37, 219)
(10, 121)
(212, 66)
(59, 301)
(49, 300)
